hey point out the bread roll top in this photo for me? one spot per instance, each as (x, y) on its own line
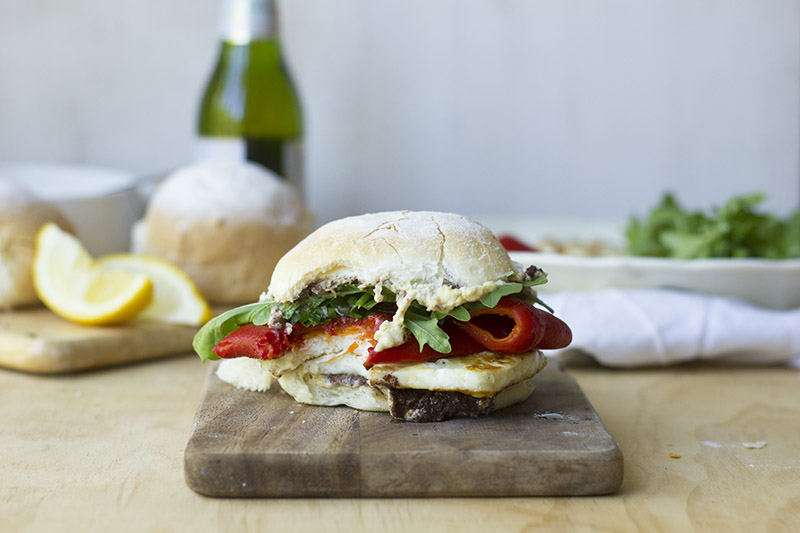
(225, 224)
(440, 260)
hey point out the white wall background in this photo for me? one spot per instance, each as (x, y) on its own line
(529, 107)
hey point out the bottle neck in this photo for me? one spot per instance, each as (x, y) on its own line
(244, 21)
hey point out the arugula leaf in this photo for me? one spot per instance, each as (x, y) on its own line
(459, 313)
(737, 229)
(790, 240)
(493, 298)
(425, 328)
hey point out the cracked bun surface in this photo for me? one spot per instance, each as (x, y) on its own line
(439, 259)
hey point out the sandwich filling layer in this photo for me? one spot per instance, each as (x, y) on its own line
(471, 385)
(491, 356)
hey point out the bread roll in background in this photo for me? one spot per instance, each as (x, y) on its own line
(225, 224)
(21, 215)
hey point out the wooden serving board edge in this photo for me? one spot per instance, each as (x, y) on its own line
(354, 469)
(37, 341)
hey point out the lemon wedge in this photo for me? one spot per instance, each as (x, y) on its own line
(176, 299)
(72, 285)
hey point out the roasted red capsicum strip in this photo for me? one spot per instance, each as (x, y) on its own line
(460, 344)
(556, 332)
(258, 342)
(512, 244)
(265, 342)
(512, 326)
(516, 326)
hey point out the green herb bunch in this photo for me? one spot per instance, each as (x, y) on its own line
(737, 229)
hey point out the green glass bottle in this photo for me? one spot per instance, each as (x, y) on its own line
(250, 109)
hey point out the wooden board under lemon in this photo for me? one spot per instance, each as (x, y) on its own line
(110, 311)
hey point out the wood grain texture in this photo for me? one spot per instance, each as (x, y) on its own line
(106, 449)
(36, 340)
(248, 444)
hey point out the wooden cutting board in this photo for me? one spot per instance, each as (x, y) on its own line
(250, 444)
(36, 340)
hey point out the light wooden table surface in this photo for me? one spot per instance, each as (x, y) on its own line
(706, 449)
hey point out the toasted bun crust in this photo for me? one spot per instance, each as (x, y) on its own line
(225, 224)
(21, 215)
(439, 259)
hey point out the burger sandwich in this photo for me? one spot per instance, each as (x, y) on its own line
(421, 314)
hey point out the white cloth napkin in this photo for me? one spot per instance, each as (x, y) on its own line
(629, 328)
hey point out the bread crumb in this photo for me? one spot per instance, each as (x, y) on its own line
(756, 445)
(674, 456)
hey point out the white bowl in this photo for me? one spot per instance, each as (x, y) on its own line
(773, 284)
(102, 203)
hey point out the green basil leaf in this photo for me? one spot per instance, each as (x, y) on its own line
(219, 327)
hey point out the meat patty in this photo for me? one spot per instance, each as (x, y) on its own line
(420, 405)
